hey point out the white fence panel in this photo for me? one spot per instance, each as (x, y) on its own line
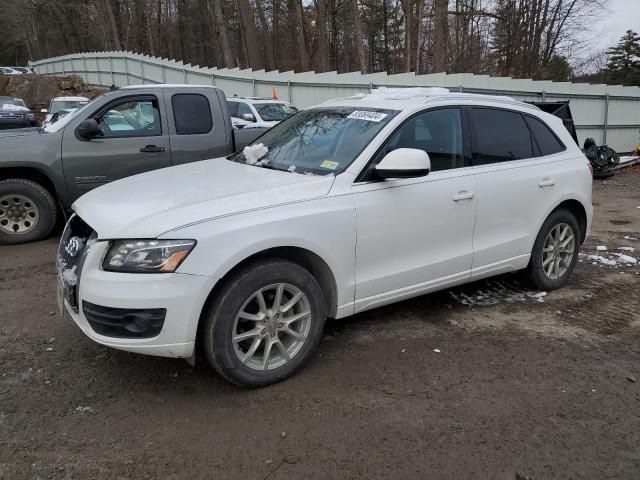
(607, 113)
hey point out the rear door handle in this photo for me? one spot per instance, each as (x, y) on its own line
(546, 182)
(152, 149)
(463, 195)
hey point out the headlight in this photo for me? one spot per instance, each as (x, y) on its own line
(146, 256)
(29, 116)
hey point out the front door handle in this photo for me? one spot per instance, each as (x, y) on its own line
(463, 195)
(546, 182)
(151, 149)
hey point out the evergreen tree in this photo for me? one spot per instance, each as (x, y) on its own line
(624, 60)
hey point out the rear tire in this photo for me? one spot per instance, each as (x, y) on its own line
(27, 211)
(555, 251)
(265, 323)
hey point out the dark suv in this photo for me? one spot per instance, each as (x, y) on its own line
(14, 113)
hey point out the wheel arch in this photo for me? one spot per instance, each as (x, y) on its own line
(36, 175)
(579, 211)
(307, 259)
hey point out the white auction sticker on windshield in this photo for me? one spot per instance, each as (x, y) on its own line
(367, 115)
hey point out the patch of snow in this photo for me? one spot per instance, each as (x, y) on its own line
(386, 93)
(437, 350)
(599, 259)
(253, 153)
(601, 248)
(70, 276)
(627, 237)
(292, 168)
(628, 259)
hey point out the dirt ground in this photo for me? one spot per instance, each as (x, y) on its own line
(522, 386)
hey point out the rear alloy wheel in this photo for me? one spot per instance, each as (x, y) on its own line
(27, 211)
(555, 251)
(265, 323)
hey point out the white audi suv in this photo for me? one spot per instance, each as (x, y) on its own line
(344, 207)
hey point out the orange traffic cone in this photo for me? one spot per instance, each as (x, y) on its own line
(274, 95)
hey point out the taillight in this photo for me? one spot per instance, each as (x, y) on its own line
(590, 168)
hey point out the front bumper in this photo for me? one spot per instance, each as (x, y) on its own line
(181, 295)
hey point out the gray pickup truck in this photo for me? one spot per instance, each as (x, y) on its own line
(121, 133)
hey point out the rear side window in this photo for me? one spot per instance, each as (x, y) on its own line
(499, 136)
(547, 142)
(192, 113)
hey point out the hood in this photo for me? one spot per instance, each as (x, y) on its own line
(153, 203)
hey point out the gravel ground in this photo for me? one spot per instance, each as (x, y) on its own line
(490, 380)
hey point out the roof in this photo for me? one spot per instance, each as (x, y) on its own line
(412, 98)
(258, 99)
(70, 99)
(165, 85)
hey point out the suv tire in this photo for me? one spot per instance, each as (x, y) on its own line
(265, 323)
(555, 251)
(27, 211)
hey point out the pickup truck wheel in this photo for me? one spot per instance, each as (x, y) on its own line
(265, 323)
(555, 251)
(27, 211)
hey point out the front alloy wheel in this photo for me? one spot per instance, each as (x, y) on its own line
(272, 326)
(264, 322)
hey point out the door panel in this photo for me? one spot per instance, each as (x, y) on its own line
(189, 143)
(413, 233)
(128, 125)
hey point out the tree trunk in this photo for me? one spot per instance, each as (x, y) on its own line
(221, 27)
(440, 35)
(114, 27)
(248, 23)
(322, 54)
(267, 37)
(358, 38)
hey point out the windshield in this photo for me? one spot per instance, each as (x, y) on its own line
(57, 105)
(60, 124)
(274, 112)
(319, 141)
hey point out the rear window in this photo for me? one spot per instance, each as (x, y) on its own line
(547, 142)
(499, 136)
(192, 113)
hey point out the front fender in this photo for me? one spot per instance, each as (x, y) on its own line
(324, 226)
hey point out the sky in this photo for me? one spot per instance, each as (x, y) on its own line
(623, 15)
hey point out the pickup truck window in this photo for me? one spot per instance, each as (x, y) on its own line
(192, 113)
(131, 118)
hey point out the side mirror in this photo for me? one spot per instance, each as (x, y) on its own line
(249, 117)
(89, 129)
(44, 110)
(404, 163)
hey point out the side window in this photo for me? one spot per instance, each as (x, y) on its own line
(243, 108)
(131, 118)
(499, 136)
(191, 113)
(547, 142)
(437, 132)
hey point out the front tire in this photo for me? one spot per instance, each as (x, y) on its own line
(555, 251)
(265, 323)
(27, 211)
